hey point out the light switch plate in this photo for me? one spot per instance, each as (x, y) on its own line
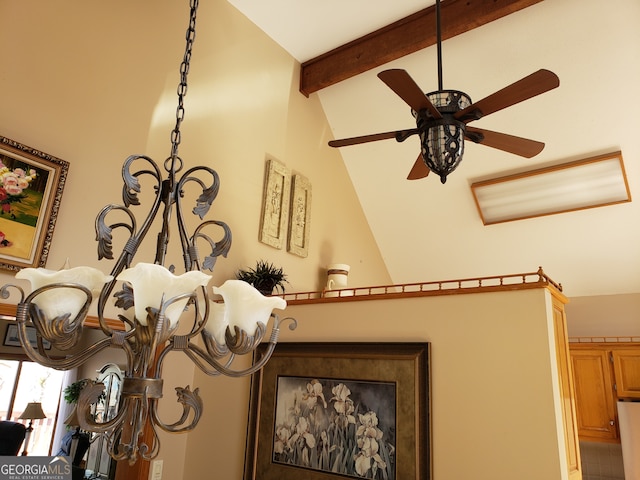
(156, 470)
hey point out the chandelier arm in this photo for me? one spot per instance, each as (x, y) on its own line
(65, 363)
(89, 395)
(147, 453)
(196, 354)
(221, 247)
(200, 320)
(239, 344)
(130, 190)
(209, 193)
(189, 262)
(113, 445)
(203, 204)
(219, 369)
(137, 414)
(168, 196)
(131, 186)
(5, 291)
(192, 407)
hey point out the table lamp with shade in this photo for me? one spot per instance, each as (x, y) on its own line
(31, 413)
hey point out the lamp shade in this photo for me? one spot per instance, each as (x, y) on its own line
(33, 412)
(72, 420)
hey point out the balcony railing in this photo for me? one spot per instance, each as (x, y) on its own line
(445, 287)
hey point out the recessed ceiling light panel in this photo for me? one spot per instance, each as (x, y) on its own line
(589, 183)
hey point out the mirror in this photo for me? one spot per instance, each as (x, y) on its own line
(99, 463)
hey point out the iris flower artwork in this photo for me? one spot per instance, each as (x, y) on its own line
(337, 426)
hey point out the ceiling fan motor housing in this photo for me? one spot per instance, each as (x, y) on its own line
(442, 139)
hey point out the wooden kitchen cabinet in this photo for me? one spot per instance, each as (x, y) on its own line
(603, 373)
(595, 397)
(626, 367)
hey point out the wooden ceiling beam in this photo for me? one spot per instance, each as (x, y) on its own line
(401, 38)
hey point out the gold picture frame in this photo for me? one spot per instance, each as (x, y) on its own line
(315, 407)
(30, 193)
(275, 204)
(300, 216)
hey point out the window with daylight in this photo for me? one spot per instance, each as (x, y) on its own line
(23, 382)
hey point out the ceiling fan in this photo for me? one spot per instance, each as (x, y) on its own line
(442, 118)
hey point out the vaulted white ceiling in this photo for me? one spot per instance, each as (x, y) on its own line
(429, 231)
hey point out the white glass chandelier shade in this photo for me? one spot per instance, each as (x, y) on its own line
(55, 303)
(154, 284)
(217, 324)
(245, 306)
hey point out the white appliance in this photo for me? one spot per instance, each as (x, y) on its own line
(629, 422)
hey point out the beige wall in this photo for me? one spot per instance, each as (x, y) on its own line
(494, 384)
(604, 315)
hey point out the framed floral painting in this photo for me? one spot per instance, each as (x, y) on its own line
(323, 411)
(31, 185)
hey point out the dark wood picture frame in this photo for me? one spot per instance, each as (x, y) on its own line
(406, 366)
(28, 215)
(11, 338)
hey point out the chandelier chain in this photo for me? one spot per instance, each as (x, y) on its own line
(182, 86)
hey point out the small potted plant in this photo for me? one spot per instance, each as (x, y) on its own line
(265, 277)
(72, 392)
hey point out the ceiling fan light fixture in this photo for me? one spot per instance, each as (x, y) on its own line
(442, 147)
(442, 139)
(449, 101)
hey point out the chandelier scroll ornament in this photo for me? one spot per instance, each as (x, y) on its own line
(153, 299)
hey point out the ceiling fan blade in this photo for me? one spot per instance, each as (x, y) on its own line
(419, 169)
(406, 88)
(399, 135)
(508, 143)
(539, 82)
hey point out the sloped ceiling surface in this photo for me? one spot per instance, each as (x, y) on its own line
(429, 231)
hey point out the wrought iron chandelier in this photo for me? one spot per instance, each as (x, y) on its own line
(160, 301)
